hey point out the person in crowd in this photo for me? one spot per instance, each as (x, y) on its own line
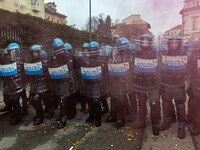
(12, 78)
(173, 76)
(119, 77)
(93, 83)
(62, 78)
(146, 84)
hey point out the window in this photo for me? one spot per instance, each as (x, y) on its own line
(33, 2)
(194, 23)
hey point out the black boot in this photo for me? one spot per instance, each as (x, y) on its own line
(24, 110)
(138, 124)
(120, 113)
(105, 105)
(133, 107)
(15, 121)
(155, 129)
(61, 123)
(48, 115)
(97, 123)
(71, 116)
(166, 124)
(83, 103)
(16, 117)
(119, 123)
(181, 130)
(111, 118)
(89, 118)
(37, 121)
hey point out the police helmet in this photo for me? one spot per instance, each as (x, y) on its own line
(12, 46)
(13, 50)
(122, 43)
(58, 45)
(94, 49)
(68, 46)
(146, 42)
(85, 45)
(36, 48)
(107, 50)
(175, 42)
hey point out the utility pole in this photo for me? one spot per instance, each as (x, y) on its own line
(90, 20)
(18, 5)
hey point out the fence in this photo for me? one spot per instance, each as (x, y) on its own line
(12, 33)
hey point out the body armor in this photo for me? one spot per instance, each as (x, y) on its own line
(119, 73)
(93, 77)
(63, 80)
(195, 72)
(37, 73)
(173, 71)
(145, 71)
(11, 72)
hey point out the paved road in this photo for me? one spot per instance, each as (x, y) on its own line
(80, 136)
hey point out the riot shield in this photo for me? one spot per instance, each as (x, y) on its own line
(119, 73)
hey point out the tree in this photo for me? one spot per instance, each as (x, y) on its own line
(94, 24)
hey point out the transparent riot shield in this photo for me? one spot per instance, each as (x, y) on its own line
(119, 72)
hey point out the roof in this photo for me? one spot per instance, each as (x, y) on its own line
(136, 17)
(49, 10)
(178, 27)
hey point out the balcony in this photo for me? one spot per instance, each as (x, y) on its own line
(36, 7)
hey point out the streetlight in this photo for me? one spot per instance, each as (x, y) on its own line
(90, 19)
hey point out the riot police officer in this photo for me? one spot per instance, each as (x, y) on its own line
(194, 90)
(172, 83)
(119, 77)
(81, 98)
(72, 99)
(12, 78)
(63, 81)
(36, 71)
(93, 80)
(146, 84)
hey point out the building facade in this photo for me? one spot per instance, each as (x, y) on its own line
(52, 15)
(191, 19)
(131, 28)
(32, 7)
(175, 30)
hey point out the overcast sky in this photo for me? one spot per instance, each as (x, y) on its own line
(162, 15)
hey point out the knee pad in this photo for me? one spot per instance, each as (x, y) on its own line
(14, 97)
(96, 102)
(34, 98)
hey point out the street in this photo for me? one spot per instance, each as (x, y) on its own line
(78, 135)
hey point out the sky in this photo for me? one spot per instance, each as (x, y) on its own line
(162, 15)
